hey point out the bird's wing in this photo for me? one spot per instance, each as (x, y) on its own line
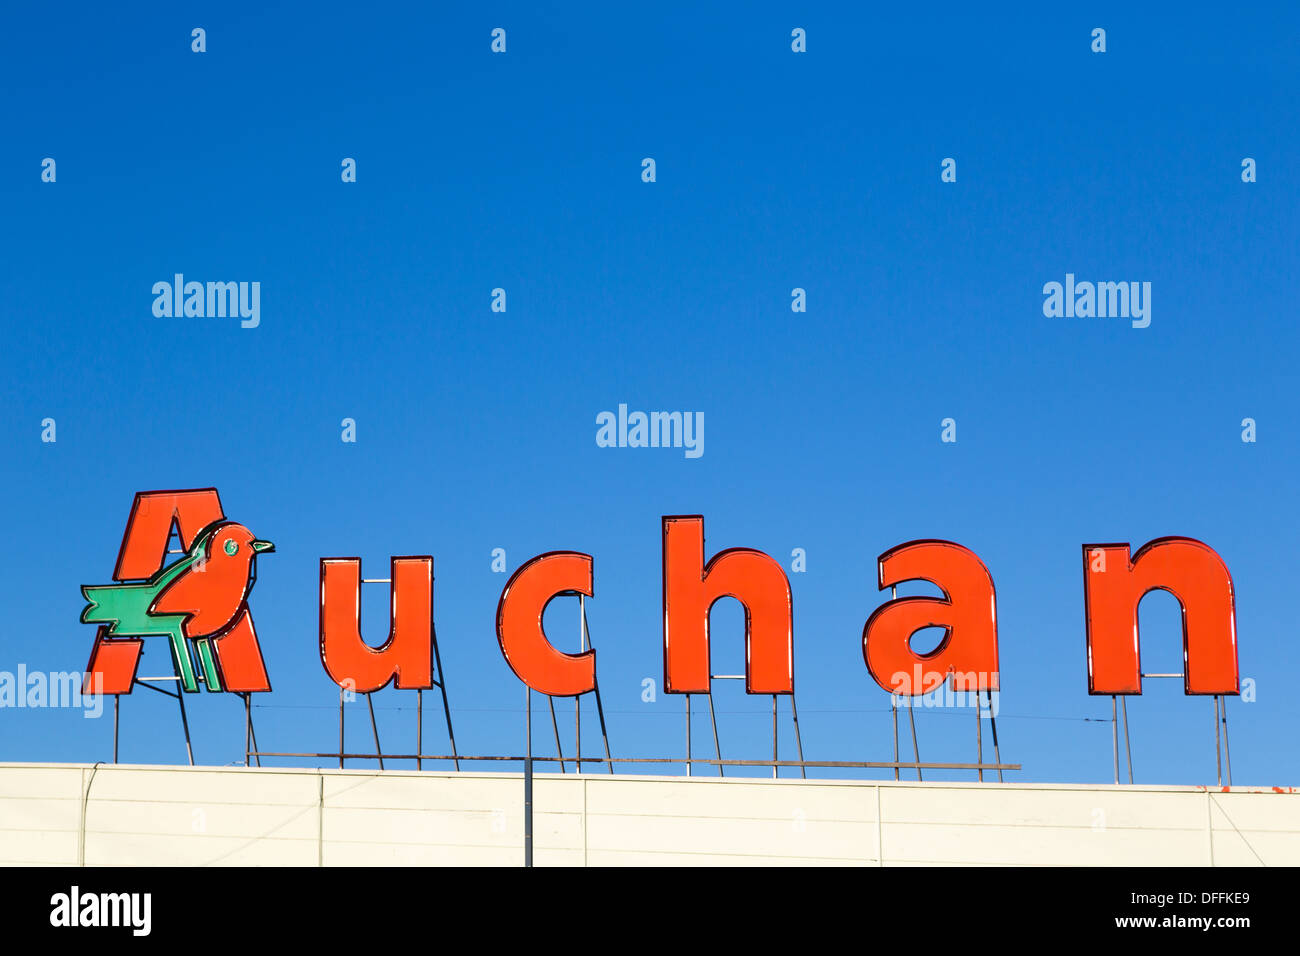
(127, 606)
(183, 596)
(203, 595)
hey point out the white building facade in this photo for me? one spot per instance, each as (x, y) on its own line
(64, 814)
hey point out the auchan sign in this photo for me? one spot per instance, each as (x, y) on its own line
(200, 602)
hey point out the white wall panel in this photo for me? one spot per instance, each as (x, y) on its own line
(214, 816)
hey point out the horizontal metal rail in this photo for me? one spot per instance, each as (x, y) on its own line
(863, 764)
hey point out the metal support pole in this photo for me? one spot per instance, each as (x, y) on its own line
(252, 727)
(798, 740)
(688, 735)
(379, 751)
(979, 738)
(1128, 745)
(714, 721)
(893, 709)
(775, 755)
(1114, 734)
(911, 716)
(180, 696)
(1227, 756)
(117, 699)
(600, 713)
(528, 777)
(577, 701)
(248, 726)
(341, 747)
(556, 727)
(419, 697)
(993, 725)
(446, 707)
(893, 702)
(1218, 759)
(600, 708)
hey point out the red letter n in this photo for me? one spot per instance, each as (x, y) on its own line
(1114, 585)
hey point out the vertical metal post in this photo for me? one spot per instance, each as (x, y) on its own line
(713, 720)
(341, 726)
(1114, 735)
(893, 703)
(688, 735)
(248, 725)
(775, 756)
(600, 709)
(446, 707)
(556, 727)
(798, 740)
(180, 696)
(379, 752)
(1227, 755)
(979, 737)
(419, 700)
(577, 701)
(993, 725)
(252, 728)
(1128, 744)
(911, 716)
(893, 709)
(1218, 759)
(600, 714)
(528, 776)
(117, 699)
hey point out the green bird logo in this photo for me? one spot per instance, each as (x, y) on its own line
(197, 599)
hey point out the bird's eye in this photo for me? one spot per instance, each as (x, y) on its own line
(231, 547)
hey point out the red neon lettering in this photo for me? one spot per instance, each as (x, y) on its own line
(533, 658)
(406, 655)
(1114, 585)
(691, 589)
(967, 612)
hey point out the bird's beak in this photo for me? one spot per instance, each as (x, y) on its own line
(260, 546)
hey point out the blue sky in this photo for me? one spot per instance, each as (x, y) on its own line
(476, 430)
